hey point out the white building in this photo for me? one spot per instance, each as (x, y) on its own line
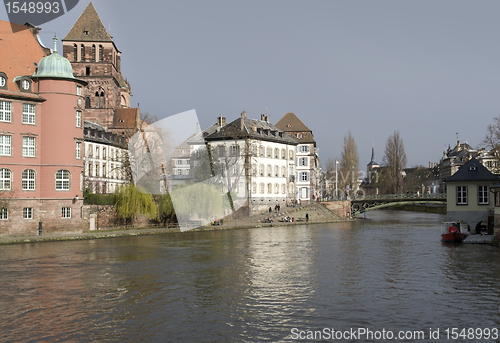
(256, 160)
(105, 156)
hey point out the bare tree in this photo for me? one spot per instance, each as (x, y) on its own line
(349, 165)
(492, 142)
(395, 162)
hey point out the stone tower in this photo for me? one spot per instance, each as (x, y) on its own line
(96, 60)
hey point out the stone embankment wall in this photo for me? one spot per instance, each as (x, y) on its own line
(104, 218)
(340, 208)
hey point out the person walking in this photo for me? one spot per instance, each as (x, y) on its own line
(307, 217)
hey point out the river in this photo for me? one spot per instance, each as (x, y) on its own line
(386, 274)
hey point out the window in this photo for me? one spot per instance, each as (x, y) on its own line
(78, 118)
(87, 71)
(304, 176)
(93, 53)
(276, 171)
(28, 213)
(5, 145)
(104, 170)
(75, 52)
(290, 154)
(269, 170)
(100, 53)
(482, 195)
(254, 188)
(28, 114)
(304, 148)
(303, 161)
(261, 186)
(178, 162)
(276, 153)
(28, 180)
(283, 188)
(261, 170)
(78, 90)
(276, 188)
(235, 150)
(103, 153)
(62, 180)
(221, 150)
(66, 212)
(269, 152)
(254, 169)
(283, 154)
(254, 149)
(461, 195)
(29, 146)
(5, 179)
(4, 214)
(261, 151)
(269, 188)
(5, 111)
(82, 52)
(283, 170)
(78, 149)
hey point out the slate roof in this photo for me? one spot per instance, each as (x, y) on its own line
(89, 28)
(473, 170)
(242, 128)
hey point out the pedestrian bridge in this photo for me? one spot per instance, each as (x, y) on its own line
(373, 202)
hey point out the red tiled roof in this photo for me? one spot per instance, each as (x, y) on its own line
(125, 118)
(19, 52)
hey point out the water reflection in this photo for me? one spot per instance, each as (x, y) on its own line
(390, 271)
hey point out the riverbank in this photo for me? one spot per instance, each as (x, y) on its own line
(316, 213)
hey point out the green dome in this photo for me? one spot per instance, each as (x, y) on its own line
(54, 65)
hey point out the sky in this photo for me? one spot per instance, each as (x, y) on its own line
(429, 69)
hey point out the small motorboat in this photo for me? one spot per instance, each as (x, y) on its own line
(451, 232)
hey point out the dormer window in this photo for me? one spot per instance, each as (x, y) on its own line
(3, 81)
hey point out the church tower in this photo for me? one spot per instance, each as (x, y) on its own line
(96, 60)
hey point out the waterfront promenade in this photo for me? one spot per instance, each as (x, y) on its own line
(317, 214)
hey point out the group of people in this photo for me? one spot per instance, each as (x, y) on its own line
(276, 209)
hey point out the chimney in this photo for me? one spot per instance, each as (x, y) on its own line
(267, 119)
(223, 121)
(254, 128)
(244, 114)
(263, 117)
(219, 120)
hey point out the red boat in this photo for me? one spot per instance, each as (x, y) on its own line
(451, 232)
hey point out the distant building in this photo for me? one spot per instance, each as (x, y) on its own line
(468, 194)
(308, 171)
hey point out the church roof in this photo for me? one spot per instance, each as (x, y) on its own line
(473, 170)
(89, 28)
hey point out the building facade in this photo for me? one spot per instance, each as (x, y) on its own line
(41, 132)
(308, 172)
(256, 160)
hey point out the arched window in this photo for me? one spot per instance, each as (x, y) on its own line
(75, 53)
(100, 53)
(87, 102)
(5, 179)
(82, 53)
(269, 152)
(93, 53)
(28, 180)
(99, 98)
(62, 180)
(276, 153)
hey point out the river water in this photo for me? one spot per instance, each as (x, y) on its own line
(387, 273)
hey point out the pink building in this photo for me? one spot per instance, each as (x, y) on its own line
(41, 137)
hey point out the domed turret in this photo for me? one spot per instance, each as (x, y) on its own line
(54, 65)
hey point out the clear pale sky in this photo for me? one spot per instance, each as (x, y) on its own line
(429, 69)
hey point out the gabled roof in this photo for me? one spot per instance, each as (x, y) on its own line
(20, 52)
(89, 28)
(291, 124)
(471, 171)
(243, 128)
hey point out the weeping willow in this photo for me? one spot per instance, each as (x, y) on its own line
(130, 202)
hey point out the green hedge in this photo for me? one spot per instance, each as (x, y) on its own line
(98, 199)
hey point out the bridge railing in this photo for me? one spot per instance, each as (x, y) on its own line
(399, 196)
